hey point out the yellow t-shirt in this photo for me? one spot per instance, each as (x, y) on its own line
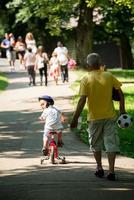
(97, 85)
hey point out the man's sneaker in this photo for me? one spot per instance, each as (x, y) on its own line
(111, 176)
(60, 144)
(99, 173)
(45, 152)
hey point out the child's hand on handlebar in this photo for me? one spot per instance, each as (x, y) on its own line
(41, 118)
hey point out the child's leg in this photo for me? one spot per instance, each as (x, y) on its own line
(45, 142)
(60, 142)
(45, 145)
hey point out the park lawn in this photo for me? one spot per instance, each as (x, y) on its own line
(3, 82)
(126, 135)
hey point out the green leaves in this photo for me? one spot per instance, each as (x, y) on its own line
(118, 19)
(127, 3)
(55, 12)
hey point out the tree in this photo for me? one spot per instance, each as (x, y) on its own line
(56, 14)
(118, 22)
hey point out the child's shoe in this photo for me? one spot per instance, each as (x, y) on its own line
(45, 152)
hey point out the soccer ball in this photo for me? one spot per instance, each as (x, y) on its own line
(125, 121)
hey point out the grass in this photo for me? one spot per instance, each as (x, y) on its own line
(3, 82)
(126, 135)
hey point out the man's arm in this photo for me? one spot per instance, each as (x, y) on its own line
(3, 45)
(121, 102)
(79, 108)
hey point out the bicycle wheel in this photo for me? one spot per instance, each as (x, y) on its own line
(52, 154)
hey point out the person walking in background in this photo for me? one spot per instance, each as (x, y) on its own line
(8, 45)
(97, 88)
(30, 42)
(29, 63)
(54, 67)
(12, 50)
(41, 64)
(62, 55)
(20, 48)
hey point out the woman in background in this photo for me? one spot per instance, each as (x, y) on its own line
(20, 48)
(30, 42)
(41, 64)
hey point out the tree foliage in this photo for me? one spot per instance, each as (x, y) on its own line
(118, 22)
(55, 12)
(127, 3)
(53, 16)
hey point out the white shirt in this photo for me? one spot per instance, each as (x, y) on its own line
(29, 59)
(52, 116)
(54, 63)
(62, 55)
(40, 60)
(32, 45)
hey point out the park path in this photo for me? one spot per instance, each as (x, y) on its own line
(22, 176)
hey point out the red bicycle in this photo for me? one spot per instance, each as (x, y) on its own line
(53, 154)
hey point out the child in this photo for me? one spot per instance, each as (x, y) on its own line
(54, 67)
(53, 121)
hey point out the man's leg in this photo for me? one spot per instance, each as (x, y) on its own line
(111, 142)
(111, 161)
(97, 156)
(66, 73)
(96, 144)
(99, 170)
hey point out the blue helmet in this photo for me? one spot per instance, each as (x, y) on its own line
(48, 99)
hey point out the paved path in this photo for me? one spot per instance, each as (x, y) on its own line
(22, 176)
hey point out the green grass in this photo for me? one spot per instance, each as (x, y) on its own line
(123, 75)
(3, 82)
(126, 135)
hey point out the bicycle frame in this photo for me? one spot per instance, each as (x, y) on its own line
(53, 150)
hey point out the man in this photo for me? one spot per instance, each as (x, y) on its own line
(8, 46)
(62, 56)
(96, 88)
(29, 63)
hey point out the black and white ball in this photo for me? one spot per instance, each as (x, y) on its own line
(125, 121)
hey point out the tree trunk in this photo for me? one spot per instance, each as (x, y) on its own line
(126, 53)
(84, 34)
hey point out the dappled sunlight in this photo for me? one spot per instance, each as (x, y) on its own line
(116, 189)
(11, 137)
(78, 175)
(22, 176)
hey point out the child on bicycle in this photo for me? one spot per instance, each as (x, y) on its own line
(53, 121)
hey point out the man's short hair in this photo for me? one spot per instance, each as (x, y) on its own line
(94, 60)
